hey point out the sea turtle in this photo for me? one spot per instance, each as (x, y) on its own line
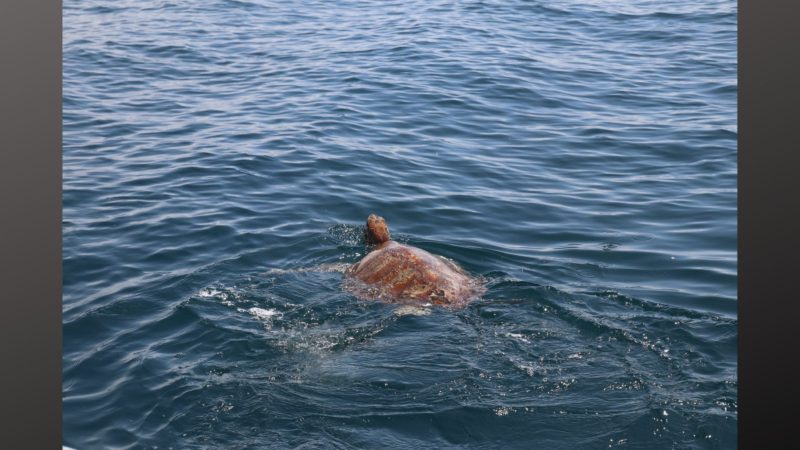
(396, 272)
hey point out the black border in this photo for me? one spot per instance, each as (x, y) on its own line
(769, 106)
(30, 225)
(30, 221)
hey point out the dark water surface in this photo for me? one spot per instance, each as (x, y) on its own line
(579, 155)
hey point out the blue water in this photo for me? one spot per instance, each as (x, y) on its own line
(578, 155)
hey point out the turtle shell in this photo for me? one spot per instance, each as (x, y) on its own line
(398, 272)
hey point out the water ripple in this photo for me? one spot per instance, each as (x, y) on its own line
(220, 159)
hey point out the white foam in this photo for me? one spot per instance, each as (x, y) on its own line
(503, 411)
(326, 267)
(408, 310)
(263, 314)
(527, 368)
(208, 292)
(518, 337)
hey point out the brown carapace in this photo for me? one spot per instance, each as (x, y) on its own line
(400, 273)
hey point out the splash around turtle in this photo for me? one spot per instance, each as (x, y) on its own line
(404, 274)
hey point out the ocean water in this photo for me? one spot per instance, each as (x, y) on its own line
(221, 157)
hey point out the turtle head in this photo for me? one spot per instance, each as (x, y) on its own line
(377, 231)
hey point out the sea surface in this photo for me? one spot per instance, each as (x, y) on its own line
(221, 157)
